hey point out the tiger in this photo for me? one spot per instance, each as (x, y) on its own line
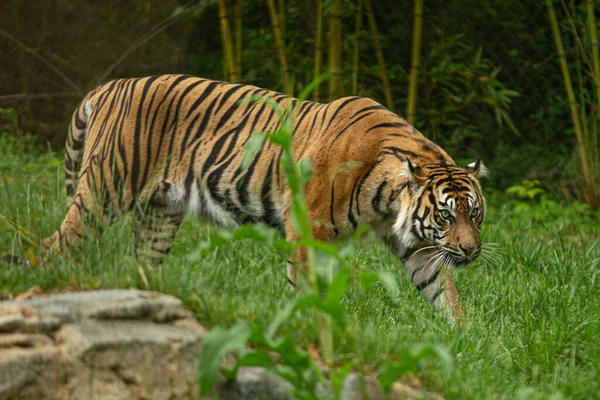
(164, 146)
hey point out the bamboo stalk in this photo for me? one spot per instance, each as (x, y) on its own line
(387, 91)
(415, 64)
(227, 41)
(593, 147)
(225, 63)
(281, 13)
(280, 46)
(573, 105)
(595, 50)
(357, 24)
(239, 8)
(335, 49)
(318, 48)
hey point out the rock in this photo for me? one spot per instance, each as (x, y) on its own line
(113, 344)
(9, 323)
(254, 383)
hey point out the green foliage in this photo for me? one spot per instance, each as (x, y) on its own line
(215, 346)
(9, 121)
(530, 201)
(460, 91)
(392, 370)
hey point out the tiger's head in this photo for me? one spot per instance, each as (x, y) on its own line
(448, 209)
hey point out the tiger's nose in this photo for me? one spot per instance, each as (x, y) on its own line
(467, 249)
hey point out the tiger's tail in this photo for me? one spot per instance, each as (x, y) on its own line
(75, 145)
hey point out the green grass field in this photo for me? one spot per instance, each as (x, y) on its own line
(533, 328)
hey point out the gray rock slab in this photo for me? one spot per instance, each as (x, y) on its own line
(108, 344)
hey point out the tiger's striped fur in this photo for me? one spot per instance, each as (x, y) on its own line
(168, 145)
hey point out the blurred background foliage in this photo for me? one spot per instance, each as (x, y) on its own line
(490, 83)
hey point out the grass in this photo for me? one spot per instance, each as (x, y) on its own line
(533, 327)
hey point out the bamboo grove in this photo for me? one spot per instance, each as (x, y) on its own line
(329, 40)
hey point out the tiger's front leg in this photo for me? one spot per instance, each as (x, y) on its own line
(433, 278)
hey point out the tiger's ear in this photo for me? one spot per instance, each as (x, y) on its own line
(413, 172)
(477, 169)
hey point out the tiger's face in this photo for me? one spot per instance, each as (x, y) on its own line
(449, 211)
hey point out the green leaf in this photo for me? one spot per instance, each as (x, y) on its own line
(422, 350)
(326, 248)
(255, 358)
(255, 144)
(360, 231)
(257, 232)
(305, 166)
(312, 85)
(368, 279)
(218, 342)
(392, 370)
(337, 378)
(281, 317)
(337, 288)
(334, 309)
(390, 283)
(281, 138)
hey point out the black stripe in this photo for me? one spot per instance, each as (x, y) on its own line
(388, 125)
(79, 123)
(436, 295)
(270, 212)
(361, 182)
(396, 151)
(421, 286)
(376, 201)
(331, 207)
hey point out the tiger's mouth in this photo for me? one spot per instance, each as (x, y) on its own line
(461, 261)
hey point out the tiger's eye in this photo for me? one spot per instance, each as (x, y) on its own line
(475, 212)
(445, 214)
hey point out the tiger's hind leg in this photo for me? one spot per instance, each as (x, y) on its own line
(158, 220)
(85, 217)
(154, 234)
